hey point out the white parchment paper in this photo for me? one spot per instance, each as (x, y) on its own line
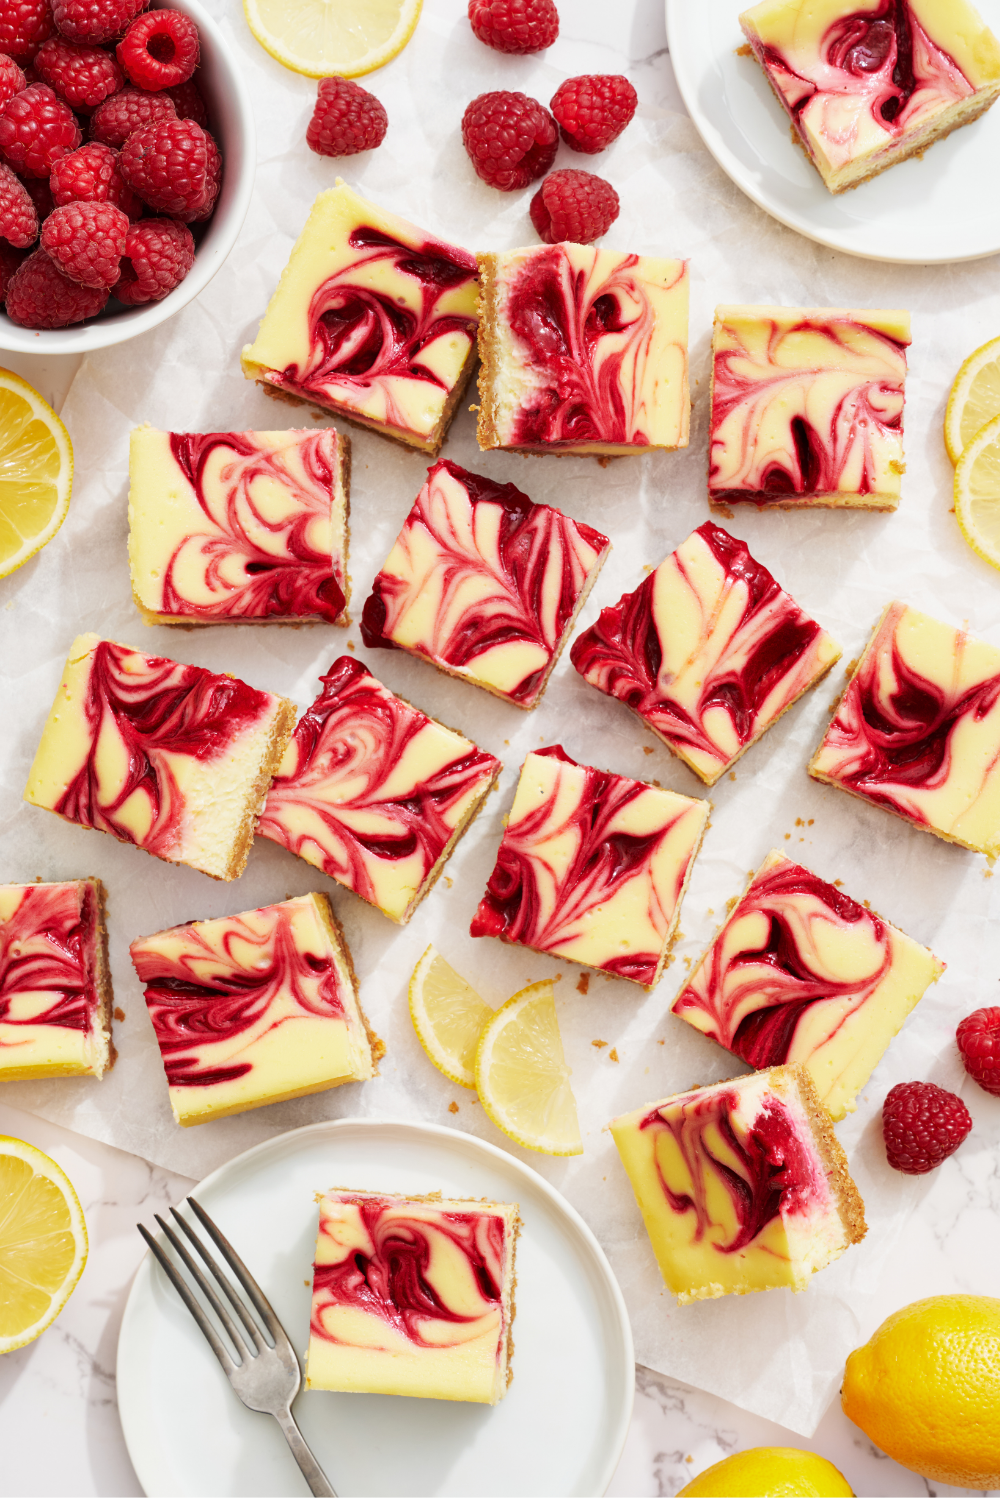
(776, 1354)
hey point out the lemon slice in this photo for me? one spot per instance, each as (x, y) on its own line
(522, 1077)
(36, 472)
(43, 1242)
(974, 399)
(977, 492)
(448, 1017)
(320, 37)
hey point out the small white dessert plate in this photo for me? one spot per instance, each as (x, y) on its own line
(940, 209)
(558, 1431)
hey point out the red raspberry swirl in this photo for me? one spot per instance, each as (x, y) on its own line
(47, 957)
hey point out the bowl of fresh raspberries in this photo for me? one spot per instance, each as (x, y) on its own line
(127, 160)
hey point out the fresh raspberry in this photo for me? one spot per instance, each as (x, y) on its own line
(213, 182)
(114, 121)
(510, 138)
(24, 26)
(10, 259)
(515, 25)
(347, 119)
(36, 129)
(40, 296)
(573, 205)
(922, 1124)
(160, 50)
(188, 102)
(12, 80)
(90, 175)
(18, 218)
(95, 20)
(86, 241)
(158, 255)
(978, 1038)
(40, 193)
(593, 110)
(83, 76)
(166, 163)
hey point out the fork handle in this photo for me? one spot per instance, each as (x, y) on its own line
(303, 1455)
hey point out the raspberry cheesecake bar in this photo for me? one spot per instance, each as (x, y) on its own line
(592, 867)
(807, 406)
(373, 319)
(868, 83)
(583, 351)
(55, 985)
(484, 584)
(800, 973)
(708, 651)
(171, 758)
(256, 1008)
(918, 729)
(742, 1185)
(227, 528)
(413, 1296)
(373, 792)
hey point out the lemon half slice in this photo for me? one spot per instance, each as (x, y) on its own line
(977, 492)
(36, 472)
(974, 399)
(320, 37)
(43, 1242)
(448, 1017)
(522, 1077)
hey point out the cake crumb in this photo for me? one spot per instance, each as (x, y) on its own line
(799, 823)
(657, 784)
(745, 51)
(722, 510)
(119, 1013)
(838, 884)
(810, 822)
(987, 874)
(305, 1283)
(711, 911)
(350, 645)
(788, 835)
(448, 881)
(647, 567)
(731, 903)
(583, 983)
(598, 1043)
(687, 961)
(453, 1108)
(732, 775)
(647, 749)
(613, 1055)
(506, 742)
(662, 1042)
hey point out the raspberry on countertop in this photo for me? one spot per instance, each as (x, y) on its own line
(593, 110)
(978, 1038)
(518, 26)
(573, 205)
(511, 139)
(347, 119)
(922, 1125)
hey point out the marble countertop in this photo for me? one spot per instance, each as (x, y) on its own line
(64, 1383)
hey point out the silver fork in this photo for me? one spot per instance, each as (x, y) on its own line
(266, 1376)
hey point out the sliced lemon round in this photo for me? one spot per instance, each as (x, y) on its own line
(974, 399)
(36, 472)
(43, 1242)
(522, 1077)
(977, 492)
(448, 1017)
(320, 37)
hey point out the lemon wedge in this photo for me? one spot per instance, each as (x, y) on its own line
(977, 492)
(974, 399)
(448, 1017)
(522, 1077)
(320, 37)
(36, 472)
(43, 1242)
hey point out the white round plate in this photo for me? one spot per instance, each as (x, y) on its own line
(943, 208)
(558, 1431)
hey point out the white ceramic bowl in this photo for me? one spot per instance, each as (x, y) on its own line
(231, 120)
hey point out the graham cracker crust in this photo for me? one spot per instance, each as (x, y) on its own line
(281, 733)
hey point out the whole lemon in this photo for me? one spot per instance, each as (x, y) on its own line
(926, 1389)
(770, 1471)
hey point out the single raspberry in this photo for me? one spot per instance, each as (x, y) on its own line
(114, 121)
(573, 205)
(188, 102)
(10, 259)
(515, 25)
(24, 26)
(978, 1038)
(86, 241)
(12, 80)
(922, 1125)
(593, 110)
(166, 163)
(83, 76)
(90, 175)
(158, 255)
(510, 138)
(18, 218)
(160, 50)
(40, 296)
(36, 129)
(95, 20)
(347, 119)
(40, 193)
